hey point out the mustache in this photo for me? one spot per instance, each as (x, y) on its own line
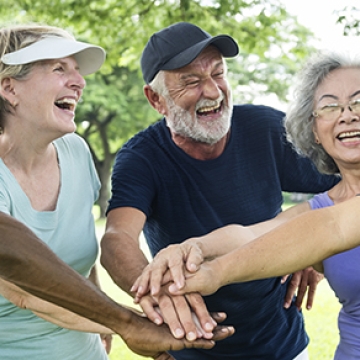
(209, 103)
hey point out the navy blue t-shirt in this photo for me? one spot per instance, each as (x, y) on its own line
(183, 197)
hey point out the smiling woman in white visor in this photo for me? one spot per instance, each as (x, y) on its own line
(47, 179)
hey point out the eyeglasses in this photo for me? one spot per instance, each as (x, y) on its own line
(333, 111)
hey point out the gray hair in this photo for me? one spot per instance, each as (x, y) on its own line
(299, 121)
(158, 84)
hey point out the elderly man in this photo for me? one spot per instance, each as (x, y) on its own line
(205, 165)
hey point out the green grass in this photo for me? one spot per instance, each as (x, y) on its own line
(320, 321)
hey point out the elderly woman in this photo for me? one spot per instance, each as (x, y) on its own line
(323, 123)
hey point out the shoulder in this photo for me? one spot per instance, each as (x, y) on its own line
(151, 134)
(150, 143)
(72, 145)
(255, 116)
(261, 121)
(321, 200)
(257, 110)
(72, 140)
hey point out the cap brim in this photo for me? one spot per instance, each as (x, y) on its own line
(225, 44)
(88, 57)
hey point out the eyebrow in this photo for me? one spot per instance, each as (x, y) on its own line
(190, 75)
(336, 98)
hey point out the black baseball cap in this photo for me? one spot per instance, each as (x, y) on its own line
(178, 45)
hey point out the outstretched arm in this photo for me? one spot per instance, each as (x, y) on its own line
(292, 246)
(189, 255)
(49, 311)
(50, 278)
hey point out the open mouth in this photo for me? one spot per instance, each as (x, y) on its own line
(66, 104)
(349, 136)
(209, 110)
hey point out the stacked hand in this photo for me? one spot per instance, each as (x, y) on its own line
(164, 295)
(147, 339)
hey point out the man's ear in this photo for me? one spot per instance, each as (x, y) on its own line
(155, 100)
(7, 90)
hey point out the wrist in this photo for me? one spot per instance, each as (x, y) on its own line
(219, 272)
(120, 320)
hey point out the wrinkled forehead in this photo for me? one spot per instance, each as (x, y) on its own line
(340, 84)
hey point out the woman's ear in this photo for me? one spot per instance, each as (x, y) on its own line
(7, 91)
(315, 135)
(156, 101)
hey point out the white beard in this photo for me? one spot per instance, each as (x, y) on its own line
(210, 132)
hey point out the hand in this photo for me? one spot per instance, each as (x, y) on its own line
(147, 339)
(186, 315)
(303, 281)
(206, 280)
(174, 260)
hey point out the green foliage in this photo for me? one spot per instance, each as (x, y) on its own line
(349, 18)
(114, 108)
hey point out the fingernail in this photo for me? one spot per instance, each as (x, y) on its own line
(193, 267)
(173, 288)
(191, 336)
(209, 327)
(286, 305)
(179, 333)
(157, 321)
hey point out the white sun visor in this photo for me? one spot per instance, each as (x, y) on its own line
(89, 57)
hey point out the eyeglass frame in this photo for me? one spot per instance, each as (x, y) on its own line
(340, 106)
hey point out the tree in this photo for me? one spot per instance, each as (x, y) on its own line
(272, 46)
(349, 17)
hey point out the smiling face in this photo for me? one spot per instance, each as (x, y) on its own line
(339, 135)
(198, 104)
(47, 97)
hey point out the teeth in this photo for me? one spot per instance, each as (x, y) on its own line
(349, 134)
(68, 101)
(209, 108)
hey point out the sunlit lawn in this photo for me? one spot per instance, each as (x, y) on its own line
(320, 322)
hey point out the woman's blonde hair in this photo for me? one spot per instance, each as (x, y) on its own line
(13, 38)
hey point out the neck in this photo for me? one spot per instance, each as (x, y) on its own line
(347, 188)
(26, 156)
(199, 150)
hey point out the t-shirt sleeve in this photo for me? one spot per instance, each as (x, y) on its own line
(4, 204)
(132, 182)
(320, 201)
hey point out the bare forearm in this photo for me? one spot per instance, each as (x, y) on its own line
(49, 311)
(49, 278)
(123, 260)
(301, 242)
(223, 240)
(228, 238)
